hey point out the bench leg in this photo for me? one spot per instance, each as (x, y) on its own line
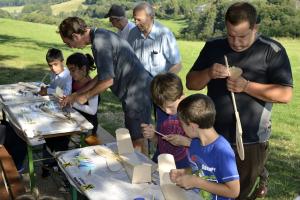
(73, 192)
(31, 168)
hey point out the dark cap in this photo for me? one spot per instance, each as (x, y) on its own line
(115, 11)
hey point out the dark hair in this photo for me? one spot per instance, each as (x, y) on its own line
(240, 12)
(198, 109)
(166, 87)
(54, 54)
(80, 60)
(72, 25)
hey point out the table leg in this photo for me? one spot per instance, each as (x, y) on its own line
(31, 167)
(73, 192)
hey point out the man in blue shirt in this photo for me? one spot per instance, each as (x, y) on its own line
(154, 44)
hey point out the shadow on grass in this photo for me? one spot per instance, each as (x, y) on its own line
(12, 40)
(7, 57)
(284, 168)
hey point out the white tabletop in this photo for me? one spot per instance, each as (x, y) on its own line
(86, 169)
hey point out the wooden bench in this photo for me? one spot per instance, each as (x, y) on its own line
(11, 185)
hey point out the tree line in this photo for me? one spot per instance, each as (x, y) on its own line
(204, 19)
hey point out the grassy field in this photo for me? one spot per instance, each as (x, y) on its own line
(22, 58)
(68, 6)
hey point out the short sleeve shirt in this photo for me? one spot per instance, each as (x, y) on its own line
(62, 80)
(169, 124)
(158, 52)
(115, 59)
(214, 162)
(125, 32)
(265, 62)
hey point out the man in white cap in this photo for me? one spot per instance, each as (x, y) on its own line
(118, 19)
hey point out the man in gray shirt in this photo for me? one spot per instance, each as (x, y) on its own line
(118, 68)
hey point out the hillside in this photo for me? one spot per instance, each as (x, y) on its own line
(67, 7)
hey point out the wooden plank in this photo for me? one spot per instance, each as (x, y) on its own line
(3, 188)
(11, 175)
(169, 189)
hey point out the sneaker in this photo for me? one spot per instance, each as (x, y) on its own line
(261, 191)
(92, 140)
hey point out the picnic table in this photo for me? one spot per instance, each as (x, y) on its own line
(35, 118)
(90, 174)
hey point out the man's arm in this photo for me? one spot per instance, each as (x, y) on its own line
(89, 86)
(197, 80)
(267, 92)
(99, 87)
(175, 68)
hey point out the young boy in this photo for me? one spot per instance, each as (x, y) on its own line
(212, 156)
(167, 92)
(60, 76)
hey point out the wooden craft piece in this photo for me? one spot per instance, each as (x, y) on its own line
(137, 171)
(124, 142)
(239, 131)
(169, 189)
(113, 161)
(235, 72)
(59, 92)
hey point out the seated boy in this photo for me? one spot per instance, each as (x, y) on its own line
(60, 76)
(167, 92)
(211, 155)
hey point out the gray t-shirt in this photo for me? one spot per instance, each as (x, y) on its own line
(115, 59)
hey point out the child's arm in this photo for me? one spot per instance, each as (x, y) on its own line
(148, 132)
(178, 140)
(229, 189)
(91, 108)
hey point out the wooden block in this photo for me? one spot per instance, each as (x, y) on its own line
(124, 141)
(137, 171)
(169, 189)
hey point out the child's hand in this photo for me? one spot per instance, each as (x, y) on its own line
(176, 173)
(43, 91)
(68, 100)
(178, 140)
(148, 131)
(186, 181)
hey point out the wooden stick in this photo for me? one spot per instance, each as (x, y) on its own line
(239, 130)
(159, 133)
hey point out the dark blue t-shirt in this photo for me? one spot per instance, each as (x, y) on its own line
(214, 162)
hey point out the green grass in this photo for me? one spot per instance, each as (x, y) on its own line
(67, 7)
(23, 47)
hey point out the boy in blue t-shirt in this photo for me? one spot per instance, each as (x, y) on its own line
(211, 155)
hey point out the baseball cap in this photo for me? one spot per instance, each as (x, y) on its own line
(115, 11)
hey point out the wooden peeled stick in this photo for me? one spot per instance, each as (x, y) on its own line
(239, 132)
